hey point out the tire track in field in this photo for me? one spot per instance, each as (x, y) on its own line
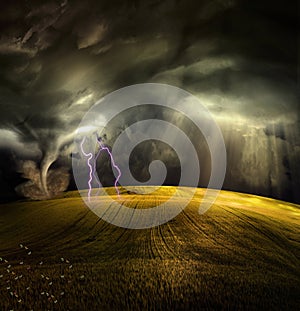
(97, 231)
(191, 222)
(154, 245)
(43, 242)
(250, 221)
(103, 225)
(60, 235)
(149, 245)
(150, 248)
(121, 238)
(159, 246)
(159, 243)
(277, 240)
(165, 231)
(176, 241)
(130, 235)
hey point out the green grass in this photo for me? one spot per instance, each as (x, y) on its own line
(242, 254)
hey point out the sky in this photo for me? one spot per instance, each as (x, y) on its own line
(240, 58)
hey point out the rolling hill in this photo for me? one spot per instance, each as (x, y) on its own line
(243, 253)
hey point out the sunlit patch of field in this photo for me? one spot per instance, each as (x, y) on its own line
(243, 253)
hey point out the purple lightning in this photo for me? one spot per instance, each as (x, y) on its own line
(93, 169)
(103, 147)
(90, 156)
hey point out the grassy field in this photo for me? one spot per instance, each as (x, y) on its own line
(242, 254)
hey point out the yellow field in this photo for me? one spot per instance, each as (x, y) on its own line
(242, 254)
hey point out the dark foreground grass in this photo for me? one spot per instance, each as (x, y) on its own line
(152, 285)
(243, 254)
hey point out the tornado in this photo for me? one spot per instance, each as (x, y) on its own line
(47, 160)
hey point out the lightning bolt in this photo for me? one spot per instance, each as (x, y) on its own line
(92, 169)
(104, 148)
(90, 156)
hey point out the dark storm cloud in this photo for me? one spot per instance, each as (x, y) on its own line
(277, 131)
(284, 132)
(58, 57)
